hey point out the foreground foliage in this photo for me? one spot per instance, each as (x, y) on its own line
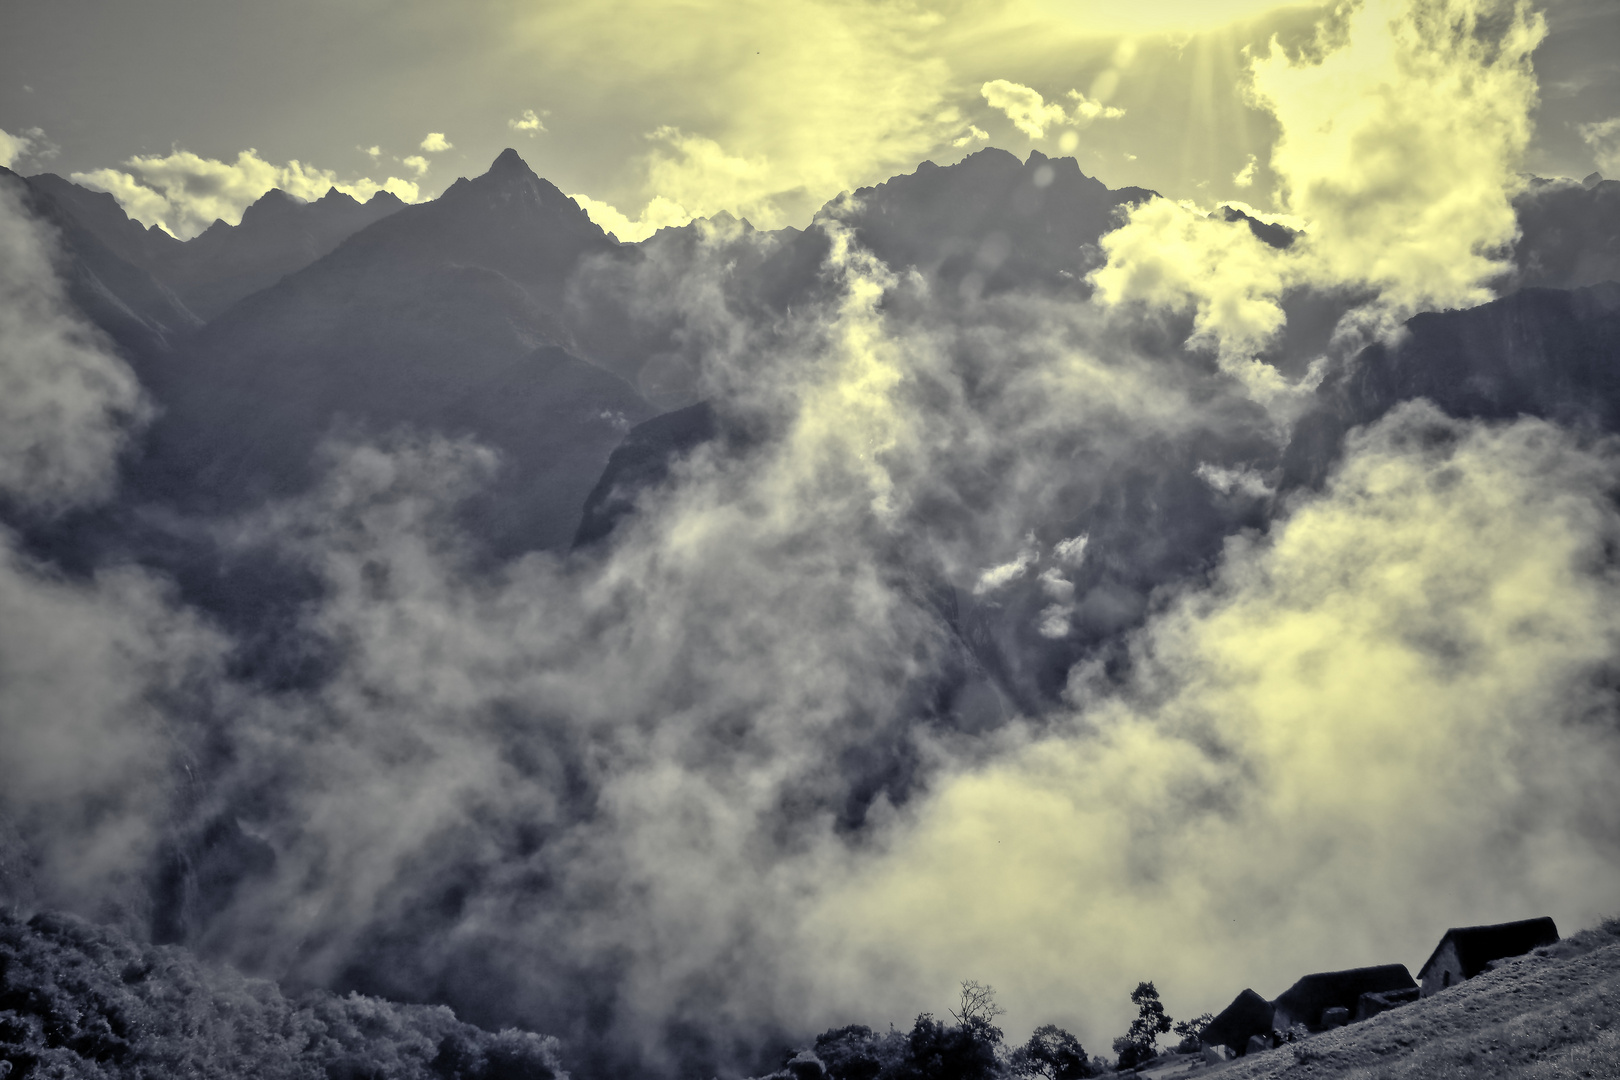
(972, 1048)
(78, 1000)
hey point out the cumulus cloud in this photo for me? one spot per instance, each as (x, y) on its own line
(529, 121)
(30, 143)
(659, 213)
(1173, 255)
(1073, 550)
(997, 576)
(1244, 177)
(1402, 148)
(417, 164)
(67, 402)
(435, 143)
(974, 134)
(1025, 107)
(1087, 110)
(1226, 480)
(1401, 134)
(1604, 139)
(1390, 716)
(183, 193)
(1032, 114)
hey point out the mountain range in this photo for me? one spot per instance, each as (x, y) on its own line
(499, 320)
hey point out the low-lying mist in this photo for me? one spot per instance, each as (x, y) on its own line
(993, 646)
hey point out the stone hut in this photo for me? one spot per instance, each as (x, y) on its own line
(1248, 1015)
(1306, 1001)
(1372, 1003)
(1466, 951)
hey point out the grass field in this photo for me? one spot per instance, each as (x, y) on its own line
(1552, 1014)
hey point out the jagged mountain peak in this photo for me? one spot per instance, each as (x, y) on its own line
(509, 161)
(334, 197)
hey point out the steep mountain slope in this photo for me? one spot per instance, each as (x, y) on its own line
(278, 234)
(987, 224)
(1570, 235)
(117, 294)
(1539, 352)
(441, 318)
(102, 215)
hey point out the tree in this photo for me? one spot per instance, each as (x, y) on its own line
(1192, 1031)
(978, 1005)
(936, 1051)
(1052, 1054)
(1140, 1043)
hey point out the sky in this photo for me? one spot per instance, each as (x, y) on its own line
(655, 112)
(1389, 711)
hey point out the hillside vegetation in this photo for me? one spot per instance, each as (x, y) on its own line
(79, 1000)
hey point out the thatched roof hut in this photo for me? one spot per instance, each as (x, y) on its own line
(1249, 1014)
(1465, 951)
(1306, 1001)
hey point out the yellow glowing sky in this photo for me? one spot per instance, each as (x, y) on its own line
(661, 110)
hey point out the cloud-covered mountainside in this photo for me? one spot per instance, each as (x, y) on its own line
(679, 648)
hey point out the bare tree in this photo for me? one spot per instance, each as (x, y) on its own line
(978, 1005)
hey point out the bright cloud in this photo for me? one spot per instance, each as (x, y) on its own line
(436, 143)
(1244, 177)
(1401, 137)
(1382, 718)
(659, 213)
(1032, 114)
(998, 576)
(1604, 139)
(528, 122)
(184, 193)
(974, 134)
(30, 143)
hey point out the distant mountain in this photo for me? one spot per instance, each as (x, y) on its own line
(640, 464)
(278, 235)
(1540, 352)
(103, 217)
(990, 222)
(120, 296)
(443, 317)
(1570, 234)
(987, 224)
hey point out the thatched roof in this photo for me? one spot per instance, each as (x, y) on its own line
(1478, 945)
(1305, 1001)
(1249, 1014)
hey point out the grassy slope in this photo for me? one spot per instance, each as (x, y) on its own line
(1554, 1013)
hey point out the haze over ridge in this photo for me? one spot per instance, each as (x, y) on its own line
(1005, 621)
